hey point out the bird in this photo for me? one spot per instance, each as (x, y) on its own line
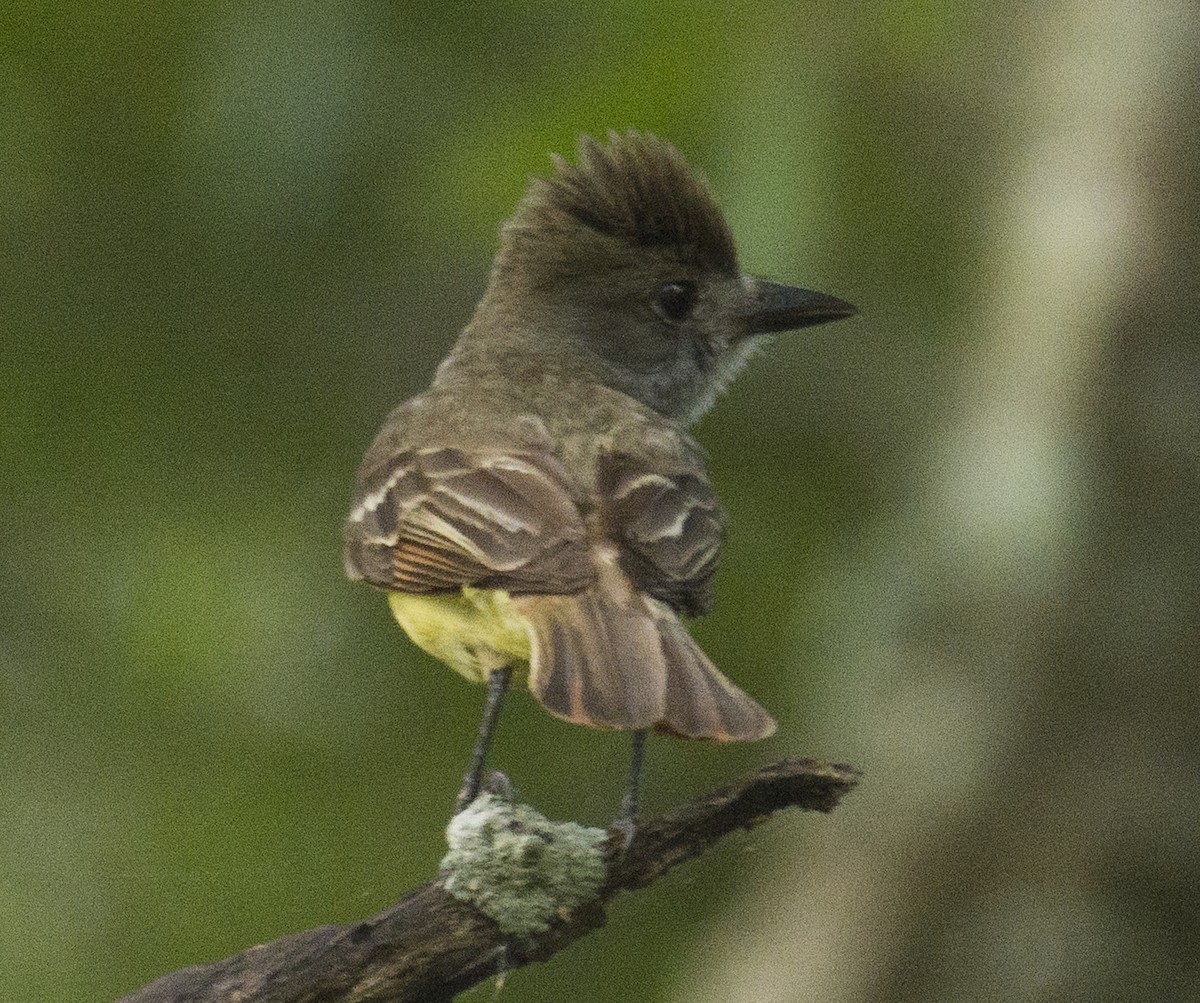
(542, 512)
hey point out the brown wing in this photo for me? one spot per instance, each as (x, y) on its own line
(436, 519)
(668, 525)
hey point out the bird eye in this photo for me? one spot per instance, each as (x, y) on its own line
(674, 301)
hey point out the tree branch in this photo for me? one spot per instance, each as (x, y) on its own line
(430, 945)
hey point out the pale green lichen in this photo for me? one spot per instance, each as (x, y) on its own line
(518, 867)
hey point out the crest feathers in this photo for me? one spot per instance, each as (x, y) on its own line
(639, 189)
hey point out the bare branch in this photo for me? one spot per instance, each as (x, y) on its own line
(430, 946)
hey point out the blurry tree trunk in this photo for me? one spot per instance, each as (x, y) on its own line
(1020, 657)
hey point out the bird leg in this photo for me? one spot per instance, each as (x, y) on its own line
(498, 680)
(629, 803)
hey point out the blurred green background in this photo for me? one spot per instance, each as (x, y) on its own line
(964, 535)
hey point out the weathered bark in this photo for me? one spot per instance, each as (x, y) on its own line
(430, 946)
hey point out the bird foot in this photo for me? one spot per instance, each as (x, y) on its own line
(494, 782)
(620, 833)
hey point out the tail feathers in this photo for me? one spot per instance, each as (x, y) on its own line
(701, 701)
(610, 658)
(593, 661)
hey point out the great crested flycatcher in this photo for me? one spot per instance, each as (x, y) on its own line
(542, 507)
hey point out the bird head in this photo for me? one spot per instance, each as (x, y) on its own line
(624, 263)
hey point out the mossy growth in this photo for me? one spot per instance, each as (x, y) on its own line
(519, 868)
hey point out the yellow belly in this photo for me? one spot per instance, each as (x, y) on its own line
(473, 631)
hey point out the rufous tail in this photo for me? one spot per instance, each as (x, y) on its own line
(609, 657)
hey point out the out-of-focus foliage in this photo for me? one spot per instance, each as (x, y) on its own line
(233, 236)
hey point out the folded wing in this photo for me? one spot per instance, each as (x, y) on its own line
(435, 520)
(598, 584)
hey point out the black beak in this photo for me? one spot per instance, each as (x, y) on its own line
(785, 308)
